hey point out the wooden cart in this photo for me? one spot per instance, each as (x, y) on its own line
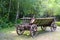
(31, 24)
(46, 22)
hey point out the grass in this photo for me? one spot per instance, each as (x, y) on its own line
(7, 30)
(58, 23)
(11, 30)
(10, 34)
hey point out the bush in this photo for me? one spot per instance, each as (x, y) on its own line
(6, 25)
(58, 17)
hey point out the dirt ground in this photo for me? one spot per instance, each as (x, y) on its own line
(41, 35)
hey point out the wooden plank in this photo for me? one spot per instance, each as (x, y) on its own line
(43, 21)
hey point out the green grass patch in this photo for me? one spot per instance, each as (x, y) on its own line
(58, 23)
(7, 30)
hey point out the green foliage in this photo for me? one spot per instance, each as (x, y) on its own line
(58, 17)
(39, 8)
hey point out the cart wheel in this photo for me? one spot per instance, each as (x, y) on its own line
(19, 31)
(33, 30)
(53, 27)
(43, 28)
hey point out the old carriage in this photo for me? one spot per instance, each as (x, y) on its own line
(31, 24)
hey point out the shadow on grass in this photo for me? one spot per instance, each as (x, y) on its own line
(39, 32)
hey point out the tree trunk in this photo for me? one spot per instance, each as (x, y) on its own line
(9, 9)
(17, 14)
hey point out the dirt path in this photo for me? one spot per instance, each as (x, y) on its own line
(50, 35)
(41, 36)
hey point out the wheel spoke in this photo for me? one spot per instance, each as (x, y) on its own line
(19, 31)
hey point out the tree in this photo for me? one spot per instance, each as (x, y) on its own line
(17, 14)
